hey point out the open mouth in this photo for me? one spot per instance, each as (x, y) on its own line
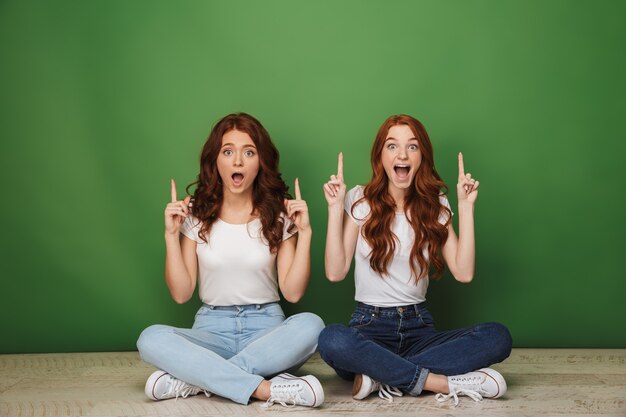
(402, 171)
(237, 178)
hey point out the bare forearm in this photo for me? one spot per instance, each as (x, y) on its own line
(177, 277)
(299, 273)
(334, 254)
(466, 249)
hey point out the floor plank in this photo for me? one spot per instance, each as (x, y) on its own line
(547, 382)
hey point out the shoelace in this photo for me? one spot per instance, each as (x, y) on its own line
(386, 391)
(183, 389)
(285, 394)
(474, 395)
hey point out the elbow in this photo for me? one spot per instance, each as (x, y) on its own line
(180, 299)
(465, 278)
(294, 298)
(333, 277)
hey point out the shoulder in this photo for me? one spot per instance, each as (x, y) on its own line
(355, 193)
(193, 221)
(289, 228)
(444, 215)
(359, 212)
(190, 227)
(443, 199)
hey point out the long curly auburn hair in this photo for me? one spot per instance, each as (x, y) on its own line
(269, 189)
(421, 206)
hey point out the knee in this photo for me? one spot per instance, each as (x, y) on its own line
(305, 328)
(149, 337)
(308, 322)
(501, 340)
(313, 322)
(335, 340)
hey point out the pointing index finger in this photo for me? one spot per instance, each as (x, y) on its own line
(461, 166)
(298, 195)
(174, 193)
(340, 166)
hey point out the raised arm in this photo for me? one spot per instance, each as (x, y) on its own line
(460, 253)
(181, 263)
(294, 254)
(342, 232)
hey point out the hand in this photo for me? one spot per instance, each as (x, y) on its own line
(335, 189)
(298, 211)
(467, 187)
(176, 212)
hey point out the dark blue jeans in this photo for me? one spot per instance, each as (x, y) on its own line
(399, 346)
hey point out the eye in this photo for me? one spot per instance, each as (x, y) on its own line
(413, 147)
(249, 153)
(391, 146)
(227, 152)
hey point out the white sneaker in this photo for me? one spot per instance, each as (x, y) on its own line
(364, 386)
(290, 390)
(161, 386)
(483, 383)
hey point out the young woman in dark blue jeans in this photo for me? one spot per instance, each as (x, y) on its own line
(398, 227)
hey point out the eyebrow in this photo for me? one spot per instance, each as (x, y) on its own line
(392, 138)
(244, 146)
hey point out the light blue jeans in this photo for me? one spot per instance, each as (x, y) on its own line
(230, 350)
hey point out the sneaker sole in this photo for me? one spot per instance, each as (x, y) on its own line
(363, 386)
(356, 387)
(151, 383)
(498, 379)
(315, 385)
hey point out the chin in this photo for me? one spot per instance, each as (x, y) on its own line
(403, 184)
(235, 190)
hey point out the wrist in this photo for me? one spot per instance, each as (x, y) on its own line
(466, 206)
(336, 209)
(305, 232)
(172, 235)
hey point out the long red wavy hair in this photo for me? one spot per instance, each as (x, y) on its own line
(421, 206)
(269, 189)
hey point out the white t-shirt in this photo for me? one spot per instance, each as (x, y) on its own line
(236, 266)
(398, 287)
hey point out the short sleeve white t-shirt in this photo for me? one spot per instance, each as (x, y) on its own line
(398, 287)
(235, 266)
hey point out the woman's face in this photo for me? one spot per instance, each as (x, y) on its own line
(237, 162)
(401, 157)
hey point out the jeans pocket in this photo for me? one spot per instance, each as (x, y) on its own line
(218, 321)
(427, 319)
(201, 312)
(359, 320)
(269, 310)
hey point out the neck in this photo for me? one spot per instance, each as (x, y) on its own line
(397, 194)
(237, 203)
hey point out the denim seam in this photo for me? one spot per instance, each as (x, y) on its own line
(418, 381)
(247, 393)
(400, 334)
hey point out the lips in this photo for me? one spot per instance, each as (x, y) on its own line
(237, 178)
(402, 171)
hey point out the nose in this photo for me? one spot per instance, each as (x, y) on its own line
(238, 159)
(402, 154)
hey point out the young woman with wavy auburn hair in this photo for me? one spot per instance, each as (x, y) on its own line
(397, 227)
(242, 238)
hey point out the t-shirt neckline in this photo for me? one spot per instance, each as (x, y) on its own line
(238, 224)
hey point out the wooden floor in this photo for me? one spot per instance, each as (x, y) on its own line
(546, 382)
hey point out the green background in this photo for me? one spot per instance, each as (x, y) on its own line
(103, 102)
